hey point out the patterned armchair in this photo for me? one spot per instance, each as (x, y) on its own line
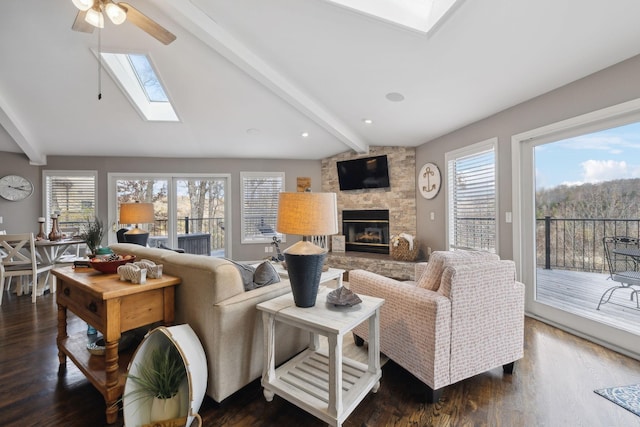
(463, 315)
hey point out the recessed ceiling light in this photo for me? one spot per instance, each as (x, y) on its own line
(305, 134)
(394, 97)
(253, 131)
(367, 121)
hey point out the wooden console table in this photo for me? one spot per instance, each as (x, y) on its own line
(112, 307)
(324, 384)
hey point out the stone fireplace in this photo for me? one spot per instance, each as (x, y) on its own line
(366, 230)
(399, 200)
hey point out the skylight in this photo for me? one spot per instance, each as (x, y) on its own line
(137, 78)
(421, 15)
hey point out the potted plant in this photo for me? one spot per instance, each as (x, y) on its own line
(159, 378)
(92, 234)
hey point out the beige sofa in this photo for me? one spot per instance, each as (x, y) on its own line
(212, 300)
(463, 315)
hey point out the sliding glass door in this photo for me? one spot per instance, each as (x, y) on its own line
(200, 219)
(575, 182)
(190, 210)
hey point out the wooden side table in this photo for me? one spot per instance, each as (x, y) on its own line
(112, 307)
(324, 384)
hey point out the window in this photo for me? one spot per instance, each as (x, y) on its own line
(472, 197)
(259, 198)
(420, 15)
(138, 80)
(71, 195)
(190, 210)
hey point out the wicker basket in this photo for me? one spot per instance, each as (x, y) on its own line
(401, 252)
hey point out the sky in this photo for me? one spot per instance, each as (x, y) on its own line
(596, 157)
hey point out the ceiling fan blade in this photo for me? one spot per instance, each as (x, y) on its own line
(147, 24)
(81, 25)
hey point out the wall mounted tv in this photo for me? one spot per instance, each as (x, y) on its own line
(366, 172)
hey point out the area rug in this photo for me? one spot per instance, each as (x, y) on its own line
(627, 396)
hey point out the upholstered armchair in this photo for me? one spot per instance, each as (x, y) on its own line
(463, 315)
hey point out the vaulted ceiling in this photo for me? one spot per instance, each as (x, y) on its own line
(247, 77)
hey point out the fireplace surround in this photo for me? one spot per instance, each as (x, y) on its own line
(366, 230)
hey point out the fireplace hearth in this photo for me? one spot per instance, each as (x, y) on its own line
(366, 230)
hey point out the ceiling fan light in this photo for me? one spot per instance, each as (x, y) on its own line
(83, 4)
(116, 14)
(94, 17)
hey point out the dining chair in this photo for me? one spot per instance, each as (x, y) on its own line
(19, 258)
(623, 259)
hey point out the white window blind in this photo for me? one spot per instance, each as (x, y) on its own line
(472, 197)
(71, 195)
(260, 205)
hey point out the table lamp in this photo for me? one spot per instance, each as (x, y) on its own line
(136, 213)
(306, 214)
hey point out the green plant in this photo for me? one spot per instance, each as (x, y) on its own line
(161, 375)
(93, 233)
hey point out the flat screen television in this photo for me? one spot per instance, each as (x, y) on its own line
(366, 172)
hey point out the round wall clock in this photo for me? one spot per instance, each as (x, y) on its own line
(429, 180)
(15, 188)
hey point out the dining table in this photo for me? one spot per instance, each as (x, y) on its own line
(631, 252)
(52, 252)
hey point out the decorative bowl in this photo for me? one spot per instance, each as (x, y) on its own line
(110, 266)
(97, 348)
(127, 340)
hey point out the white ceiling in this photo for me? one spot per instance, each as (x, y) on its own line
(282, 67)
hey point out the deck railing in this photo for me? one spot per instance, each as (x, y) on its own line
(576, 244)
(185, 226)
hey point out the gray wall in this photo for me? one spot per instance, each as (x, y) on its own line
(608, 87)
(22, 216)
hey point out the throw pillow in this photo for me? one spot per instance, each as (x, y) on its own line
(265, 275)
(430, 278)
(439, 260)
(246, 271)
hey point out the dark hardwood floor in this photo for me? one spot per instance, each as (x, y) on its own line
(552, 385)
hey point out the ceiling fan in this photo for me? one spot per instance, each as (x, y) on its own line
(90, 16)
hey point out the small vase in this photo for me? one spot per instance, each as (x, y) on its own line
(165, 409)
(55, 233)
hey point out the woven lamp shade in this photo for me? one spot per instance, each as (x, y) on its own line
(307, 214)
(136, 213)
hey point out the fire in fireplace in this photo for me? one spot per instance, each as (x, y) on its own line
(366, 230)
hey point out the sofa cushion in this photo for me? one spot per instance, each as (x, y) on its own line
(432, 276)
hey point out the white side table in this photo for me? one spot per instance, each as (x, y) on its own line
(324, 384)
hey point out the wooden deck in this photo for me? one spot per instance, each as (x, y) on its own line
(579, 293)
